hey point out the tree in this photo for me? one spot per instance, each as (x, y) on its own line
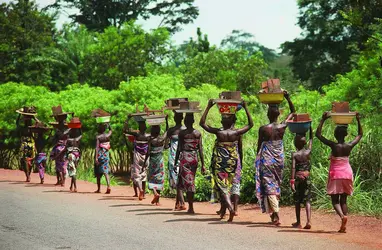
(120, 54)
(100, 14)
(241, 40)
(25, 32)
(231, 70)
(330, 39)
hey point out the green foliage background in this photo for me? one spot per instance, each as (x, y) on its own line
(120, 67)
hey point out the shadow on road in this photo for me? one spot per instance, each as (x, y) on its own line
(56, 191)
(149, 209)
(308, 231)
(117, 199)
(195, 220)
(267, 224)
(132, 205)
(224, 221)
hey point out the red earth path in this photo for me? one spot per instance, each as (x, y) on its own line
(361, 230)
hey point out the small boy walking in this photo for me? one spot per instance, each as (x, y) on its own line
(300, 177)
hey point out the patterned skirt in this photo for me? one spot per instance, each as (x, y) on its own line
(187, 170)
(173, 177)
(269, 167)
(156, 171)
(140, 151)
(103, 161)
(40, 164)
(73, 159)
(225, 162)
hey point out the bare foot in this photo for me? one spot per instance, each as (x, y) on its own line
(108, 191)
(236, 214)
(343, 225)
(277, 223)
(157, 204)
(57, 184)
(296, 225)
(135, 195)
(97, 191)
(231, 215)
(71, 189)
(75, 190)
(182, 208)
(308, 226)
(140, 197)
(191, 211)
(42, 181)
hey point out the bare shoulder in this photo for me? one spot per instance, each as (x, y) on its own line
(197, 133)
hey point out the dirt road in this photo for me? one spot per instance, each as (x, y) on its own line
(34, 216)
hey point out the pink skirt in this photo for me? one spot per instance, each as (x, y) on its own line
(340, 186)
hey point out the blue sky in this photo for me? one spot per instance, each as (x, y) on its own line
(271, 21)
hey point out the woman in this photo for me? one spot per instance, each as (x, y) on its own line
(102, 157)
(58, 153)
(270, 161)
(340, 180)
(73, 155)
(190, 144)
(141, 145)
(226, 159)
(172, 142)
(155, 153)
(27, 145)
(40, 142)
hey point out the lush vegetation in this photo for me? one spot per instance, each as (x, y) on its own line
(116, 65)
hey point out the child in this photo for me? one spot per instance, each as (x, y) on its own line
(340, 179)
(300, 177)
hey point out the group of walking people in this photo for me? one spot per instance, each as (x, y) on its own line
(186, 154)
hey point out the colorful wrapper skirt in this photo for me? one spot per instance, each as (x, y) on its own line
(28, 152)
(60, 157)
(173, 177)
(140, 150)
(156, 171)
(225, 163)
(188, 165)
(103, 161)
(40, 164)
(340, 180)
(269, 168)
(73, 157)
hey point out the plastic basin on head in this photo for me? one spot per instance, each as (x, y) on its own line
(299, 127)
(342, 118)
(227, 108)
(103, 119)
(131, 138)
(155, 121)
(74, 125)
(271, 98)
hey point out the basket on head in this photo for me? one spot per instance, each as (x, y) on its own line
(39, 127)
(271, 92)
(153, 120)
(300, 123)
(341, 114)
(75, 123)
(228, 102)
(101, 116)
(57, 111)
(188, 107)
(174, 103)
(27, 111)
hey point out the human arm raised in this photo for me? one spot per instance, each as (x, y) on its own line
(310, 138)
(319, 135)
(360, 132)
(250, 121)
(204, 117)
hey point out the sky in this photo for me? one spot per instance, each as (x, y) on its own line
(272, 22)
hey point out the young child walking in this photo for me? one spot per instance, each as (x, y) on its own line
(300, 177)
